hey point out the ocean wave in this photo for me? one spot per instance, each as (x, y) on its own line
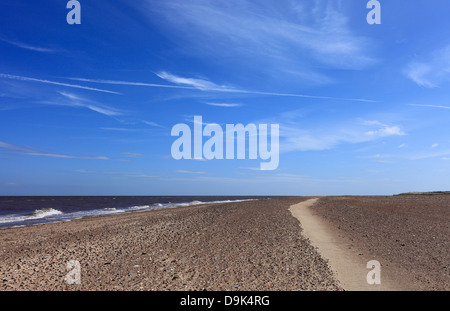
(37, 214)
(139, 207)
(45, 212)
(46, 215)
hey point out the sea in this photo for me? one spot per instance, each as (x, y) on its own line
(28, 211)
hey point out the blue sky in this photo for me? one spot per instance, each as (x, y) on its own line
(88, 109)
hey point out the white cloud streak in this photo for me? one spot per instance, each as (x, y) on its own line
(414, 156)
(130, 83)
(28, 79)
(200, 84)
(270, 30)
(208, 86)
(295, 137)
(81, 102)
(151, 123)
(133, 154)
(225, 105)
(191, 172)
(432, 72)
(430, 106)
(30, 151)
(27, 46)
(116, 173)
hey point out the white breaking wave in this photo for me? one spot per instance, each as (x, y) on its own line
(139, 207)
(47, 215)
(37, 214)
(45, 212)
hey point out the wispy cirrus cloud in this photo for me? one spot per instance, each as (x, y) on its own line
(129, 83)
(191, 172)
(316, 140)
(383, 130)
(433, 71)
(133, 130)
(414, 156)
(28, 79)
(430, 106)
(181, 83)
(200, 84)
(310, 75)
(225, 105)
(151, 123)
(27, 46)
(251, 168)
(420, 74)
(115, 173)
(206, 85)
(32, 151)
(295, 136)
(120, 129)
(133, 154)
(268, 30)
(203, 84)
(73, 100)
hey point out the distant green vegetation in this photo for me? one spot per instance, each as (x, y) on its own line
(425, 193)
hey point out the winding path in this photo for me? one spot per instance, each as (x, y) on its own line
(350, 270)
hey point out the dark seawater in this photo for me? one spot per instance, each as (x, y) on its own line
(26, 211)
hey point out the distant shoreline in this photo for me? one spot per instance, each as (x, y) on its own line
(29, 211)
(426, 193)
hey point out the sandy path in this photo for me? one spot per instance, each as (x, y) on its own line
(349, 269)
(408, 235)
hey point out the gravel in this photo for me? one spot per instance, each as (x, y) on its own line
(408, 235)
(255, 245)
